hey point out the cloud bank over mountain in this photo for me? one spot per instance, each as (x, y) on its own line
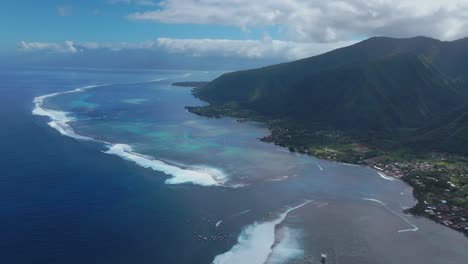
(250, 49)
(322, 21)
(224, 53)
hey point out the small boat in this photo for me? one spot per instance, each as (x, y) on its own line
(323, 258)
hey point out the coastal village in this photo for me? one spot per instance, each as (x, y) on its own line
(439, 181)
(440, 187)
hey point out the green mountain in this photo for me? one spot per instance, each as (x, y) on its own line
(403, 89)
(449, 133)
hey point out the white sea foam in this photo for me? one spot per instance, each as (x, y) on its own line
(196, 175)
(413, 227)
(281, 178)
(288, 247)
(241, 213)
(59, 120)
(385, 177)
(254, 244)
(158, 80)
(352, 165)
(375, 200)
(218, 223)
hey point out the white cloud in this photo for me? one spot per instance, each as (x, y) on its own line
(261, 49)
(138, 2)
(63, 11)
(247, 49)
(66, 47)
(69, 47)
(116, 46)
(322, 21)
(72, 47)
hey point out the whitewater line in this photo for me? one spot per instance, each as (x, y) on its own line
(199, 176)
(350, 164)
(255, 243)
(234, 215)
(413, 229)
(59, 120)
(241, 213)
(385, 177)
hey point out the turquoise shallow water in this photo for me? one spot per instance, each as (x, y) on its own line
(351, 213)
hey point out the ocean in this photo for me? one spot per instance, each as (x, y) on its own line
(107, 166)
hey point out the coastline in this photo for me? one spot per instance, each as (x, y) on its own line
(171, 217)
(416, 172)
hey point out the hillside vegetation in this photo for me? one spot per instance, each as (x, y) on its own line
(397, 105)
(381, 90)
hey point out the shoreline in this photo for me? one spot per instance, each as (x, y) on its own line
(454, 217)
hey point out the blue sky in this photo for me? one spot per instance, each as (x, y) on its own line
(278, 30)
(99, 21)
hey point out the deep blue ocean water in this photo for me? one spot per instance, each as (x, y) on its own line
(64, 200)
(58, 205)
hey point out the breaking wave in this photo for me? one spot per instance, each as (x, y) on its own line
(288, 247)
(256, 243)
(59, 120)
(195, 175)
(385, 177)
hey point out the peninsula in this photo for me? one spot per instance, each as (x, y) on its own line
(397, 105)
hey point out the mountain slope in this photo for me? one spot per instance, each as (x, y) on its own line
(396, 92)
(449, 133)
(451, 58)
(386, 94)
(388, 87)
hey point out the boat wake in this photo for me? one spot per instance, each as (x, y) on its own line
(256, 243)
(232, 216)
(59, 120)
(318, 166)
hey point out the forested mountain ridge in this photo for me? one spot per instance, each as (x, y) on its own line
(390, 88)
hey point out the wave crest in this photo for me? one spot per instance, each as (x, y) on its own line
(196, 175)
(59, 120)
(255, 243)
